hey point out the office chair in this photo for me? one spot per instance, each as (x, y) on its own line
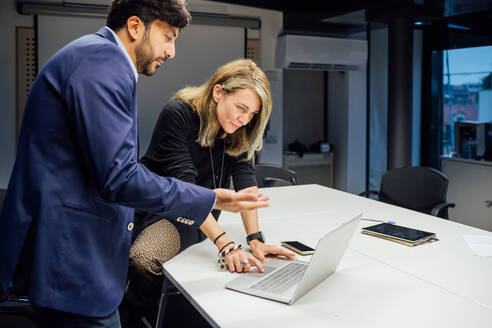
(422, 189)
(176, 311)
(17, 312)
(2, 196)
(274, 176)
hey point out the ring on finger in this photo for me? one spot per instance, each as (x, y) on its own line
(244, 263)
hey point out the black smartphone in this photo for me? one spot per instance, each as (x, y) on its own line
(298, 247)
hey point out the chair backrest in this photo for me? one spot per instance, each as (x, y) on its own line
(17, 315)
(16, 311)
(2, 196)
(274, 176)
(416, 188)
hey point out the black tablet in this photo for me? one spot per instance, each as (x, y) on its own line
(399, 232)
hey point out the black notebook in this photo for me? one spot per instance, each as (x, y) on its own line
(399, 234)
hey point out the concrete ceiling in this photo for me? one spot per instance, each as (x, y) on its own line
(351, 16)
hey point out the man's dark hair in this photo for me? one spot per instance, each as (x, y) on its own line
(174, 12)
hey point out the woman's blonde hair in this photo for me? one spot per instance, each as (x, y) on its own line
(238, 74)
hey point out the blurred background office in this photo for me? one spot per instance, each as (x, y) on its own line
(360, 87)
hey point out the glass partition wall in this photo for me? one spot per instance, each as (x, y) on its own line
(467, 94)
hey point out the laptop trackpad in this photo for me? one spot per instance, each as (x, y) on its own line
(268, 269)
(271, 265)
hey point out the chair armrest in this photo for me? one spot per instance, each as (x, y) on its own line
(439, 207)
(368, 193)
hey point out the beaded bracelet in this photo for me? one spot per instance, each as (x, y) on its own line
(221, 264)
(232, 249)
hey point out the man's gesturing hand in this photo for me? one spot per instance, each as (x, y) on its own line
(231, 201)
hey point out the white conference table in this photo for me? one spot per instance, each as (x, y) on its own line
(377, 284)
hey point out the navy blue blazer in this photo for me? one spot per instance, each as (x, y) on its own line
(68, 213)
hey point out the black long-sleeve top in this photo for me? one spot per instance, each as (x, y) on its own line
(174, 152)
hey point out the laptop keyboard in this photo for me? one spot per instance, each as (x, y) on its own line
(282, 279)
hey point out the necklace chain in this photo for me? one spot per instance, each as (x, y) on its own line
(221, 167)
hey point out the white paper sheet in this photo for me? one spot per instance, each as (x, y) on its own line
(481, 245)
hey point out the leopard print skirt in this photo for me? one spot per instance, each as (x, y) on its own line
(156, 244)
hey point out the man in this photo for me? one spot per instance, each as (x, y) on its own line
(67, 218)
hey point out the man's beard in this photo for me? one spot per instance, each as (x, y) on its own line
(144, 57)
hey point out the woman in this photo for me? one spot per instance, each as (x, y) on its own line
(205, 135)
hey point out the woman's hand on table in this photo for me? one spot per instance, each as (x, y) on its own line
(261, 250)
(242, 261)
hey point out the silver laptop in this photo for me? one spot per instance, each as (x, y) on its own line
(286, 281)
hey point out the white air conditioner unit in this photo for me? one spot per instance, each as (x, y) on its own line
(320, 53)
